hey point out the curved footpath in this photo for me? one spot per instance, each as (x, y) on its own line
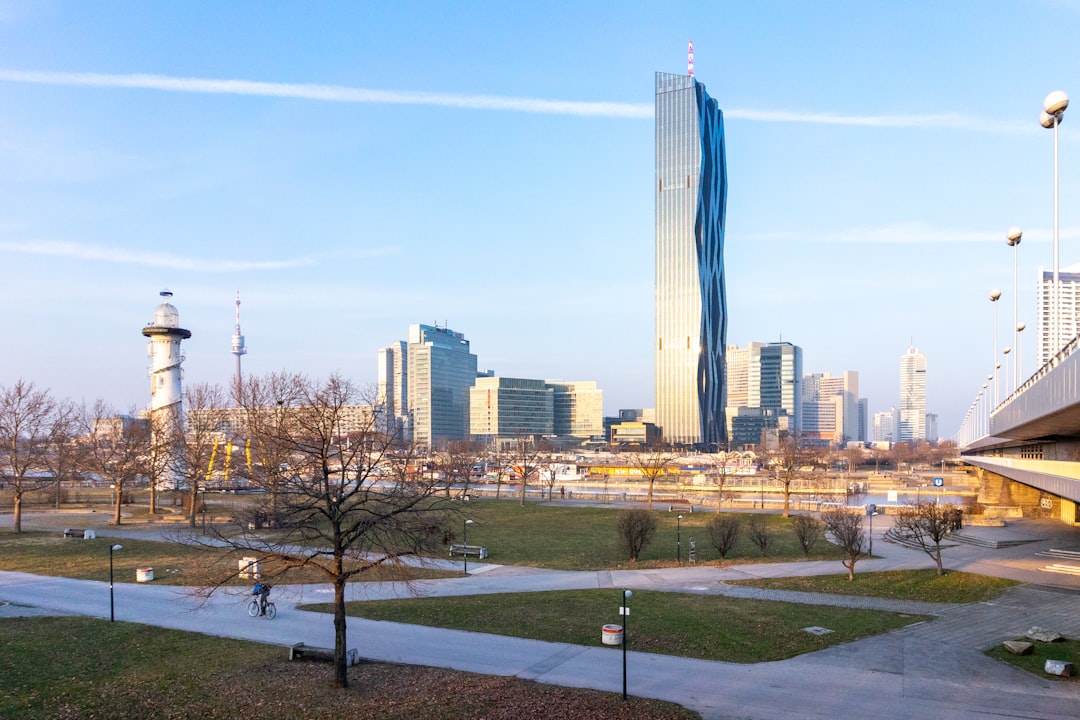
(933, 669)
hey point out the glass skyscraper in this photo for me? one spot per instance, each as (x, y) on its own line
(691, 306)
(440, 372)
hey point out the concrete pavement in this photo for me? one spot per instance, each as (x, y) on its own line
(933, 669)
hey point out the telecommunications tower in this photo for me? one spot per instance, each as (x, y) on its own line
(238, 347)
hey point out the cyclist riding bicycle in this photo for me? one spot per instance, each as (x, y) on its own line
(261, 591)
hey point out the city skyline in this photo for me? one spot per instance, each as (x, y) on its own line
(356, 169)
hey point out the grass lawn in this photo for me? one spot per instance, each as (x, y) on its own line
(49, 553)
(569, 537)
(710, 627)
(82, 668)
(1068, 650)
(925, 585)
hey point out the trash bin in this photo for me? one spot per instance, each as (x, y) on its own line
(612, 634)
(249, 567)
(144, 574)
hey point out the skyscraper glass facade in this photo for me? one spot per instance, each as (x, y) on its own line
(912, 397)
(440, 372)
(691, 306)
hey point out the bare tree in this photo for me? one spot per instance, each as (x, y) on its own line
(760, 533)
(115, 449)
(351, 501)
(808, 530)
(724, 533)
(927, 523)
(526, 460)
(723, 464)
(27, 419)
(64, 450)
(845, 526)
(196, 446)
(788, 462)
(636, 528)
(653, 463)
(457, 459)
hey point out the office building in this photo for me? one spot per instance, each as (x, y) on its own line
(440, 372)
(912, 425)
(691, 307)
(830, 410)
(578, 409)
(737, 379)
(775, 382)
(885, 426)
(1048, 341)
(501, 407)
(393, 385)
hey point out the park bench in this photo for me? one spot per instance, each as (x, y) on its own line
(469, 551)
(300, 651)
(680, 504)
(79, 533)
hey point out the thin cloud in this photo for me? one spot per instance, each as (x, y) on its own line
(330, 93)
(77, 251)
(342, 94)
(914, 233)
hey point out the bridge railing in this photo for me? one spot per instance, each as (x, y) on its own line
(976, 423)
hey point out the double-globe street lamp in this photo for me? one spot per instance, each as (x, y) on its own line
(1013, 237)
(1053, 111)
(995, 295)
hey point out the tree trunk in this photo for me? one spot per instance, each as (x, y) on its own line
(153, 497)
(787, 500)
(651, 481)
(341, 668)
(16, 524)
(118, 494)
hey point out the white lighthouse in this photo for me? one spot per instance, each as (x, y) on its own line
(163, 348)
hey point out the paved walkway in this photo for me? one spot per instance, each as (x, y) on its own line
(933, 669)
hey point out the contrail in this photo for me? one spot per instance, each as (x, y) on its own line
(342, 94)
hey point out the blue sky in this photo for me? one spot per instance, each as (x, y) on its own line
(355, 167)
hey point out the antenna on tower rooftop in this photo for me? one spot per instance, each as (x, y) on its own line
(690, 60)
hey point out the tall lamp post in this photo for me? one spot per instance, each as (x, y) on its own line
(995, 295)
(465, 538)
(112, 605)
(1013, 237)
(678, 539)
(1005, 351)
(1053, 111)
(624, 610)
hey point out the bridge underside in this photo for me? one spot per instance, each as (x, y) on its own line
(1028, 452)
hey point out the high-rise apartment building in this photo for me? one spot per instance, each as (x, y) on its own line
(912, 397)
(1068, 325)
(393, 385)
(440, 372)
(691, 306)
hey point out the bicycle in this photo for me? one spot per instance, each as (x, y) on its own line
(254, 610)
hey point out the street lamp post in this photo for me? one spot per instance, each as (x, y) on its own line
(112, 605)
(1018, 363)
(995, 295)
(1053, 111)
(1005, 351)
(465, 538)
(624, 610)
(1012, 237)
(678, 539)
